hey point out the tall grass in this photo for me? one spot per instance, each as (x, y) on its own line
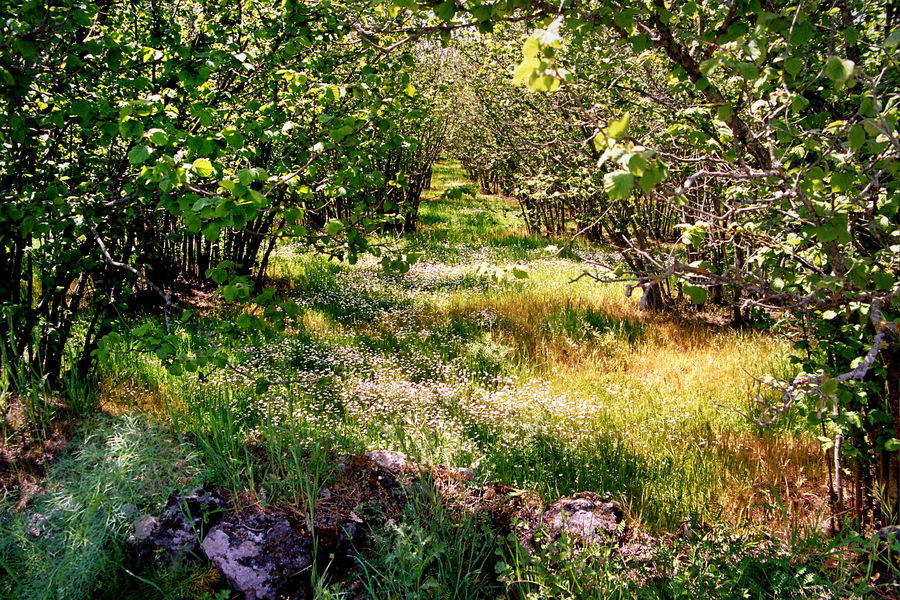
(541, 383)
(538, 383)
(70, 546)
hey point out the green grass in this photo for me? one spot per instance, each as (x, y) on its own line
(71, 544)
(543, 384)
(538, 383)
(430, 552)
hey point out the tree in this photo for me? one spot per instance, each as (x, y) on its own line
(139, 146)
(777, 128)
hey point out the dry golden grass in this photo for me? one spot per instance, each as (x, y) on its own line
(691, 375)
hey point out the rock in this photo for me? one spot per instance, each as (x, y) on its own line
(144, 528)
(175, 531)
(463, 472)
(129, 511)
(639, 548)
(260, 553)
(395, 462)
(585, 517)
(885, 533)
(466, 472)
(37, 524)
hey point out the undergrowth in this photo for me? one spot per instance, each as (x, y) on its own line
(535, 382)
(71, 544)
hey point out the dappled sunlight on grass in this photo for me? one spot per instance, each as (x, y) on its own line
(538, 382)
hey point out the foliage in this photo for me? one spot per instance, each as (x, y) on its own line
(430, 552)
(546, 386)
(139, 146)
(727, 162)
(742, 154)
(711, 565)
(70, 545)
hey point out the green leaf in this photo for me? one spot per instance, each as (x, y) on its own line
(883, 280)
(526, 70)
(625, 20)
(203, 167)
(341, 132)
(333, 227)
(857, 137)
(829, 386)
(734, 31)
(531, 48)
(262, 385)
(131, 128)
(893, 40)
(747, 70)
(653, 174)
(217, 275)
(158, 137)
(618, 184)
(483, 13)
(696, 293)
(26, 48)
(839, 70)
(617, 129)
(445, 10)
(637, 164)
(230, 292)
(841, 181)
(211, 232)
(724, 112)
(235, 139)
(639, 42)
(802, 33)
(138, 154)
(245, 176)
(892, 445)
(798, 103)
(709, 65)
(793, 65)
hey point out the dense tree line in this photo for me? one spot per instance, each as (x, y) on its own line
(140, 145)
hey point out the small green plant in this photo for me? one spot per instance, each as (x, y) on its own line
(430, 552)
(70, 544)
(457, 191)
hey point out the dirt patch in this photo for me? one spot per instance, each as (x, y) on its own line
(29, 448)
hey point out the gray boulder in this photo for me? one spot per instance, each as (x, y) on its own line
(395, 462)
(183, 518)
(263, 555)
(586, 517)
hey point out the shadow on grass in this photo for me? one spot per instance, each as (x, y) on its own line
(70, 544)
(586, 323)
(344, 301)
(605, 463)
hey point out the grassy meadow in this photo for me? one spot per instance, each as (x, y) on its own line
(535, 382)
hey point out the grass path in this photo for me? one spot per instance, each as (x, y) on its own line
(535, 382)
(539, 383)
